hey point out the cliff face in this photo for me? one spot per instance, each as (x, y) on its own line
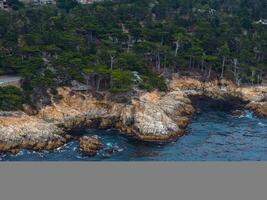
(18, 130)
(213, 89)
(149, 116)
(152, 116)
(255, 97)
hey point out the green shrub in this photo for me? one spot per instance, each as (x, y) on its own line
(118, 90)
(153, 81)
(11, 98)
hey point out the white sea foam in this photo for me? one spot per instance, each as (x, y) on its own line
(262, 124)
(21, 153)
(249, 115)
(109, 144)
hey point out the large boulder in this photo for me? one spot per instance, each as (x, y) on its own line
(159, 116)
(89, 145)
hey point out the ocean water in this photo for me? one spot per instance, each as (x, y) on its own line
(213, 135)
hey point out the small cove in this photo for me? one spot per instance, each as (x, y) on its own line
(215, 134)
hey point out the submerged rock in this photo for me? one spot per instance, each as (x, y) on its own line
(89, 145)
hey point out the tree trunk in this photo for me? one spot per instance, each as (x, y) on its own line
(112, 58)
(260, 76)
(176, 48)
(209, 74)
(98, 83)
(236, 73)
(252, 77)
(223, 65)
(87, 83)
(190, 62)
(158, 62)
(165, 64)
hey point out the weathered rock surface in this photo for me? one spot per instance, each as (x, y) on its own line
(157, 117)
(260, 108)
(257, 98)
(254, 96)
(18, 130)
(214, 89)
(150, 116)
(89, 145)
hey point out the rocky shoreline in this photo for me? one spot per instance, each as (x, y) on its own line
(20, 131)
(147, 116)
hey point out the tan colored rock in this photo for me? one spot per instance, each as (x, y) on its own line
(254, 94)
(89, 145)
(185, 83)
(18, 130)
(54, 144)
(151, 116)
(214, 89)
(259, 108)
(183, 122)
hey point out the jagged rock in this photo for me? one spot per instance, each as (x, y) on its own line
(89, 145)
(156, 116)
(213, 89)
(19, 130)
(29, 110)
(150, 116)
(259, 108)
(254, 96)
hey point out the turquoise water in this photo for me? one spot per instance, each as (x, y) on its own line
(213, 135)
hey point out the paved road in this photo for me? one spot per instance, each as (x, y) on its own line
(9, 79)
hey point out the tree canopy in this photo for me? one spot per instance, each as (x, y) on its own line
(104, 43)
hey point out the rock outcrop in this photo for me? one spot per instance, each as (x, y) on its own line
(149, 116)
(20, 131)
(161, 117)
(254, 96)
(214, 89)
(257, 98)
(259, 108)
(89, 145)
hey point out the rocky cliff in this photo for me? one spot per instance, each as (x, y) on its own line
(255, 97)
(18, 130)
(149, 116)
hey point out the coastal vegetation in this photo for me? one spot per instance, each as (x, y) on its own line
(115, 45)
(11, 98)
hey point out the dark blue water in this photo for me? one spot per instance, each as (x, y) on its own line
(212, 136)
